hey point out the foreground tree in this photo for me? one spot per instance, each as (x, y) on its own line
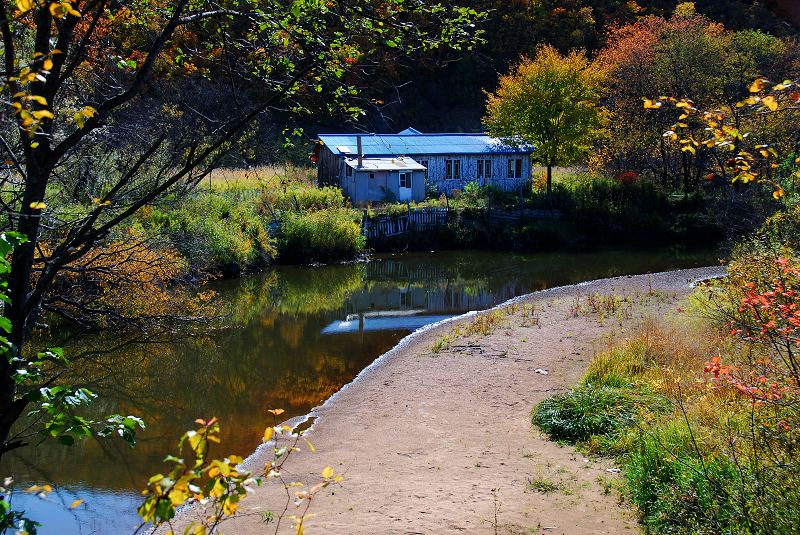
(551, 102)
(117, 104)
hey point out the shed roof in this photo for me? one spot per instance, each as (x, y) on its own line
(412, 144)
(385, 164)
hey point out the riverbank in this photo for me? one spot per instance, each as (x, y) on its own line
(435, 437)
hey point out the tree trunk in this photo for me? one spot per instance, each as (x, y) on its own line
(20, 312)
(549, 178)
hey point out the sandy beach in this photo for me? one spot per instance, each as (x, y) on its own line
(441, 441)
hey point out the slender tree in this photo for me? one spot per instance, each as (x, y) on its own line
(551, 102)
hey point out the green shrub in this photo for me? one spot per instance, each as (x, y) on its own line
(677, 491)
(320, 236)
(587, 410)
(215, 232)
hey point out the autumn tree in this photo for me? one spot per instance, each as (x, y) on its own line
(85, 93)
(686, 56)
(551, 102)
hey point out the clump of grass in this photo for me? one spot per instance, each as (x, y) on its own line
(619, 367)
(321, 236)
(542, 485)
(484, 323)
(587, 411)
(442, 343)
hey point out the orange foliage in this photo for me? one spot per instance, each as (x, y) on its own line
(127, 279)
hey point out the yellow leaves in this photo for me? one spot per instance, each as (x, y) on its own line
(229, 507)
(100, 202)
(268, 433)
(652, 104)
(276, 412)
(310, 446)
(43, 114)
(44, 489)
(327, 472)
(25, 5)
(81, 116)
(48, 65)
(759, 85)
(76, 503)
(62, 9)
(179, 493)
(38, 205)
(770, 102)
(778, 193)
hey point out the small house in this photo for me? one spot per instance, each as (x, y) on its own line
(404, 166)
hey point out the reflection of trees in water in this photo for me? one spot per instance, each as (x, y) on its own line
(272, 353)
(234, 374)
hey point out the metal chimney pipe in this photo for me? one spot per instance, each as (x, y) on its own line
(360, 151)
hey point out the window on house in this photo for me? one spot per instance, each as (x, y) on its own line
(424, 163)
(484, 168)
(405, 180)
(515, 168)
(452, 169)
(372, 175)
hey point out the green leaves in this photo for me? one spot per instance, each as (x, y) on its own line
(551, 102)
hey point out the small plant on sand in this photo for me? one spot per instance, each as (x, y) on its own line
(484, 323)
(217, 486)
(542, 485)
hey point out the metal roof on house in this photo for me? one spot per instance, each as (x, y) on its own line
(410, 131)
(385, 164)
(412, 144)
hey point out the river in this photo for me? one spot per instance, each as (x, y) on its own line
(295, 335)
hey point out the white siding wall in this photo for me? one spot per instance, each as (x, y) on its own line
(469, 171)
(332, 165)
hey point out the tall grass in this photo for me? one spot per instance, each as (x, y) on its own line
(320, 236)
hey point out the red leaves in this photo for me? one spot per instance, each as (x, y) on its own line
(768, 313)
(716, 368)
(774, 309)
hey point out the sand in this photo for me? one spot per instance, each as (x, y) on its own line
(443, 443)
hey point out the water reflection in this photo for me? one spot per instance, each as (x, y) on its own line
(293, 338)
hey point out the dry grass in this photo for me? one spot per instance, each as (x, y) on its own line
(224, 179)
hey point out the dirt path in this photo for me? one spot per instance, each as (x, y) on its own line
(433, 443)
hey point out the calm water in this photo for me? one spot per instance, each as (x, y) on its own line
(295, 336)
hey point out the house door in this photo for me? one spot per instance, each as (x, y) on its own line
(405, 186)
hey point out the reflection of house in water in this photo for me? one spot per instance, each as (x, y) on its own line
(404, 296)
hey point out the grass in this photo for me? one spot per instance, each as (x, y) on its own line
(542, 485)
(321, 236)
(482, 324)
(225, 179)
(589, 411)
(646, 401)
